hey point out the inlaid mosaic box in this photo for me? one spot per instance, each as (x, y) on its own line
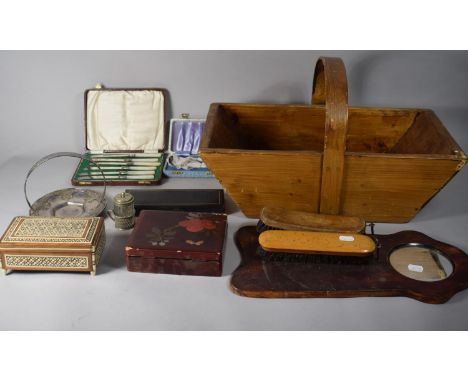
(34, 243)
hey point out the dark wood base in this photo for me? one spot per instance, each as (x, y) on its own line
(259, 278)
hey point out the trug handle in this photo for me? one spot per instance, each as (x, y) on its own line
(330, 88)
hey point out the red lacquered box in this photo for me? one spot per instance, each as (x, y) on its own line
(177, 242)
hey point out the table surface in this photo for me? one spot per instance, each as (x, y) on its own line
(120, 300)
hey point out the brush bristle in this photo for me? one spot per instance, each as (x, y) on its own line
(262, 227)
(286, 257)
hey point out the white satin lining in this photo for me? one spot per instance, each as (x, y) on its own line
(125, 120)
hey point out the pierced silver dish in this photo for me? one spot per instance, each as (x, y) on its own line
(68, 202)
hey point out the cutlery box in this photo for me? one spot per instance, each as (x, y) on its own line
(121, 124)
(184, 141)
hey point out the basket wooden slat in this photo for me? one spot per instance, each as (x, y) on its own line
(381, 164)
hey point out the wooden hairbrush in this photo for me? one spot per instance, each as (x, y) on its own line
(302, 246)
(274, 218)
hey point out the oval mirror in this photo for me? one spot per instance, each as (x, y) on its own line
(421, 262)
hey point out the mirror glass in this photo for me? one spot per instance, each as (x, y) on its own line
(421, 262)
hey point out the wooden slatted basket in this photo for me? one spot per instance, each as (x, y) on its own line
(380, 164)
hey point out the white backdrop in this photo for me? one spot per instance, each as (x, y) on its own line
(41, 93)
(41, 111)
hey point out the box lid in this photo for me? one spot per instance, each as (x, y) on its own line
(178, 235)
(124, 119)
(196, 200)
(52, 234)
(185, 135)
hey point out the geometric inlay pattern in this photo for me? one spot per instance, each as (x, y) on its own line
(100, 247)
(33, 229)
(46, 261)
(52, 228)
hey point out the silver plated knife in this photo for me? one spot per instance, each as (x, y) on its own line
(123, 155)
(119, 167)
(122, 172)
(114, 177)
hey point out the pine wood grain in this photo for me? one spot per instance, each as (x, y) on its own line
(301, 127)
(330, 88)
(426, 136)
(395, 160)
(391, 187)
(377, 130)
(256, 179)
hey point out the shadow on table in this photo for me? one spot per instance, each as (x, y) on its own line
(229, 204)
(114, 255)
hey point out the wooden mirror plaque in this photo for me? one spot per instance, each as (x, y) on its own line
(406, 263)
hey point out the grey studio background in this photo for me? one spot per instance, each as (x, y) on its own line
(41, 111)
